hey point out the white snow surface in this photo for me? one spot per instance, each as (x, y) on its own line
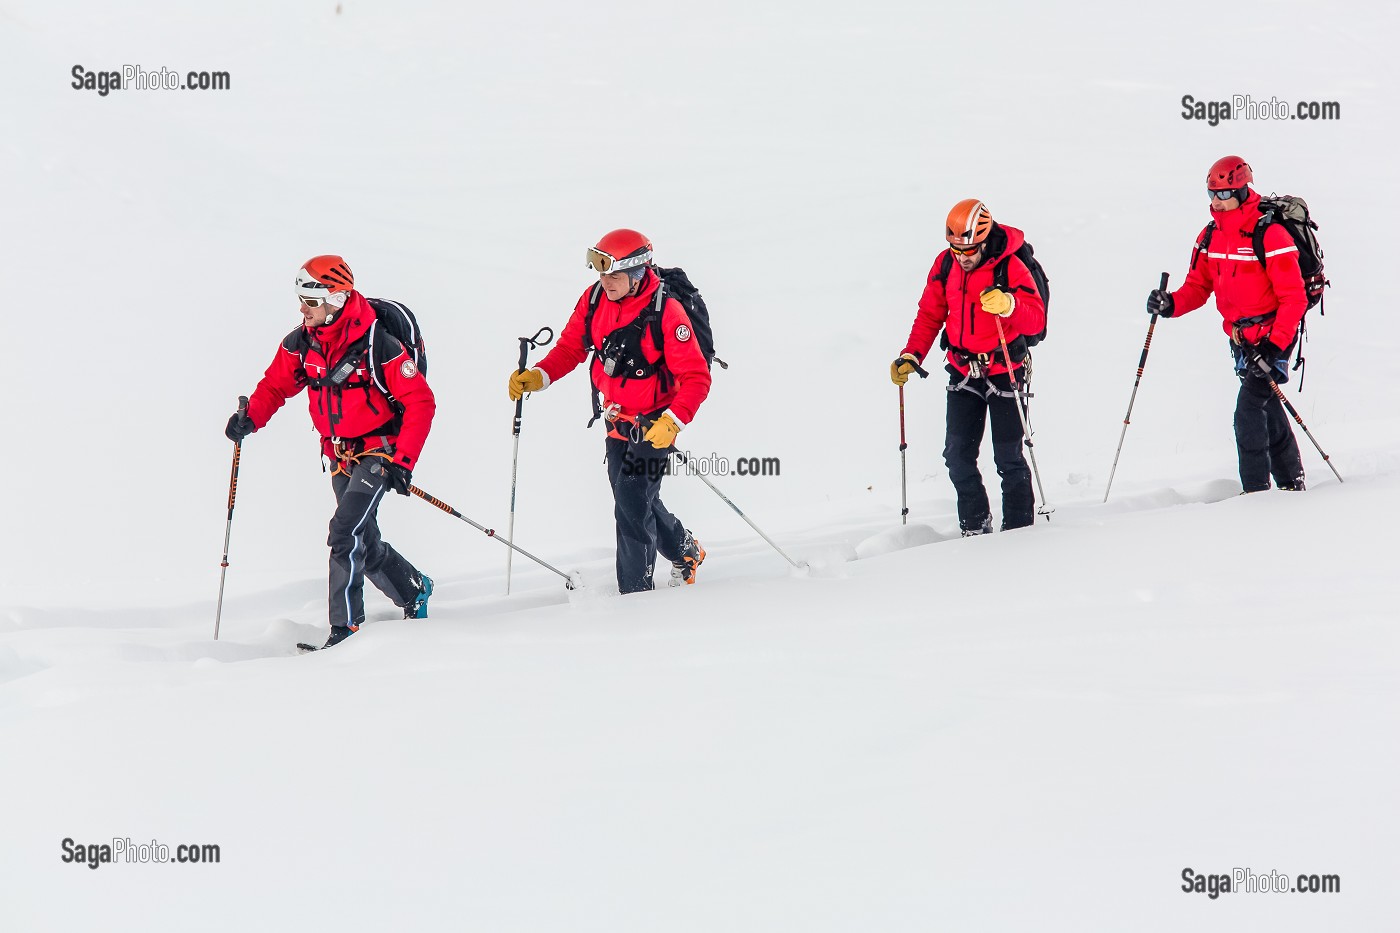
(1036, 730)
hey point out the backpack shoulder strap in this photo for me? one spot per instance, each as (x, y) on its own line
(1203, 243)
(658, 309)
(595, 298)
(1001, 272)
(381, 347)
(945, 266)
(1265, 221)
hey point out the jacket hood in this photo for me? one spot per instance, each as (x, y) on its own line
(1001, 242)
(349, 324)
(1015, 239)
(1247, 213)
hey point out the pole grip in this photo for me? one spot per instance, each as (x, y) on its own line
(923, 373)
(237, 455)
(1163, 285)
(433, 501)
(542, 338)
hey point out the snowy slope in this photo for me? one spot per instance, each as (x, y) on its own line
(1034, 730)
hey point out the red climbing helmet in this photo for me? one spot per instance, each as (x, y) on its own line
(619, 250)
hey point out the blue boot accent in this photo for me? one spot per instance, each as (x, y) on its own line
(418, 609)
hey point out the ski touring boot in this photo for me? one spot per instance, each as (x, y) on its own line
(418, 609)
(338, 634)
(984, 529)
(692, 556)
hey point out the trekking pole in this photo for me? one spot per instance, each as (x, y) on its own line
(228, 526)
(1268, 374)
(1045, 507)
(489, 532)
(685, 458)
(903, 470)
(1142, 364)
(526, 344)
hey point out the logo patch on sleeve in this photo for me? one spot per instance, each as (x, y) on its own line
(682, 333)
(408, 370)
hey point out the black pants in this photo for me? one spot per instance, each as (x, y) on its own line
(1264, 438)
(644, 526)
(357, 551)
(967, 420)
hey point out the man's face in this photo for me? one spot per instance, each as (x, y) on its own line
(1223, 204)
(968, 261)
(315, 317)
(615, 284)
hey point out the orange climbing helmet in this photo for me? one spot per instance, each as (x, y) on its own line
(969, 222)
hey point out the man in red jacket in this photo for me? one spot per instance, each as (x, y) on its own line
(1262, 304)
(373, 408)
(652, 376)
(963, 299)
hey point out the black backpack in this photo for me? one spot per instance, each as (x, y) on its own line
(1292, 214)
(401, 323)
(1000, 276)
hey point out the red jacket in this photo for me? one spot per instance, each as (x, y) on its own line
(352, 411)
(957, 305)
(689, 381)
(1244, 289)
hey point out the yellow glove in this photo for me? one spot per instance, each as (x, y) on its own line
(663, 431)
(531, 380)
(995, 301)
(900, 370)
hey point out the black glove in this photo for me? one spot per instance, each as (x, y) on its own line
(1272, 357)
(1160, 302)
(1274, 360)
(1269, 353)
(239, 427)
(398, 477)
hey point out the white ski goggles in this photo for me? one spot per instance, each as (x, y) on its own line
(603, 263)
(320, 296)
